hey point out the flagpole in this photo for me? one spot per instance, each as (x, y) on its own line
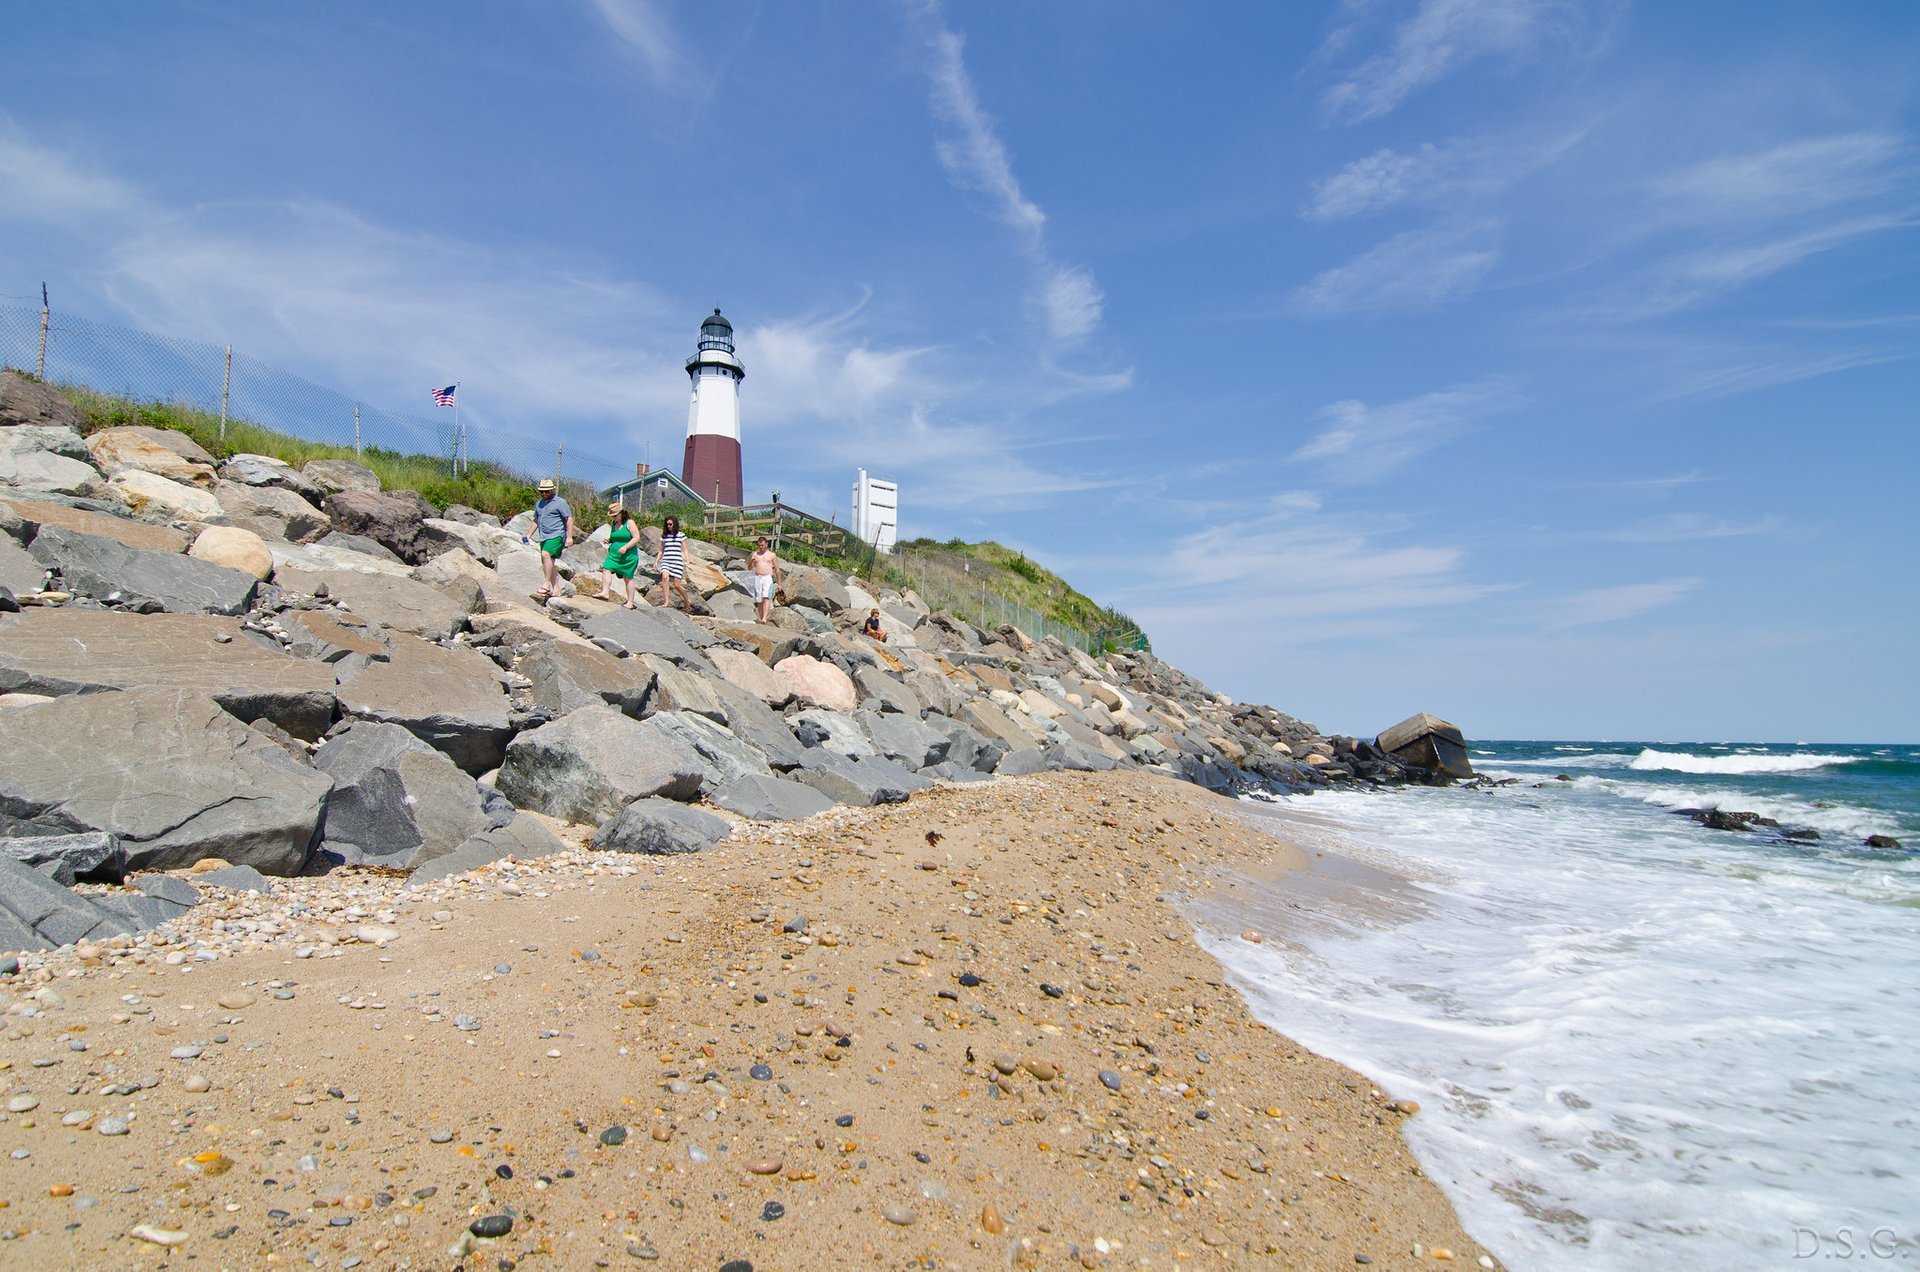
(459, 435)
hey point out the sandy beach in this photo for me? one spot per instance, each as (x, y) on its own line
(968, 1031)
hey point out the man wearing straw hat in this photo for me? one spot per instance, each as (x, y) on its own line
(553, 531)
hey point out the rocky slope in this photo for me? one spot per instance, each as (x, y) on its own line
(286, 671)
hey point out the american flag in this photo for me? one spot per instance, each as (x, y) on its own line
(444, 397)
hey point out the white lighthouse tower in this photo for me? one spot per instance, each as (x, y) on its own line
(712, 463)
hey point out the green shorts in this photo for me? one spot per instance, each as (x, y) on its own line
(555, 546)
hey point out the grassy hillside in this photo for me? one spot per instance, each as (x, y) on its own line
(960, 568)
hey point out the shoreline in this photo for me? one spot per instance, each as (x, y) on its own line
(653, 1011)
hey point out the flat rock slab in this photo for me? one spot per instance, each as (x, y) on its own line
(906, 740)
(396, 801)
(329, 637)
(770, 642)
(167, 888)
(20, 570)
(340, 474)
(835, 731)
(38, 914)
(724, 755)
(451, 699)
(66, 859)
(72, 651)
(858, 782)
(37, 513)
(98, 567)
(660, 828)
(316, 558)
(167, 772)
(588, 765)
(396, 603)
(769, 798)
(164, 452)
(746, 671)
(651, 631)
(567, 677)
(523, 838)
(268, 472)
(150, 494)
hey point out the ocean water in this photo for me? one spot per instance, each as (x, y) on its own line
(1637, 1042)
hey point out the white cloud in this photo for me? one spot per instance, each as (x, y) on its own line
(1784, 180)
(49, 187)
(1417, 269)
(1462, 171)
(1067, 297)
(647, 33)
(1688, 527)
(1440, 37)
(1614, 604)
(1362, 443)
(1380, 180)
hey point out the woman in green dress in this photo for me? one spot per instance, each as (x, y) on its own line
(623, 551)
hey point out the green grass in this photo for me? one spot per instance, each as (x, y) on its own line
(1013, 575)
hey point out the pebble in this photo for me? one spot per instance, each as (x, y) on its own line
(1109, 1079)
(1052, 991)
(283, 995)
(845, 1119)
(1213, 1237)
(197, 1084)
(60, 1190)
(661, 1134)
(501, 969)
(23, 1104)
(991, 1221)
(1041, 1070)
(465, 1023)
(440, 1137)
(764, 1166)
(614, 1136)
(114, 1125)
(236, 1001)
(156, 1235)
(969, 980)
(897, 1213)
(78, 1117)
(1252, 935)
(491, 1226)
(795, 925)
(772, 1211)
(185, 1053)
(762, 1072)
(642, 1250)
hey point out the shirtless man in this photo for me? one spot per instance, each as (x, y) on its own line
(766, 576)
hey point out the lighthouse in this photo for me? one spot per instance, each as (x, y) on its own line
(712, 463)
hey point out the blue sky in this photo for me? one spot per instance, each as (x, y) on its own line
(1549, 366)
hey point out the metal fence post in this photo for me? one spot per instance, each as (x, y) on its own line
(356, 430)
(226, 388)
(40, 369)
(559, 456)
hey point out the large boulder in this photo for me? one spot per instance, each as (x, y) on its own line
(660, 828)
(745, 671)
(99, 567)
(335, 475)
(967, 746)
(567, 677)
(484, 543)
(906, 740)
(163, 452)
(321, 556)
(817, 590)
(769, 798)
(266, 472)
(37, 457)
(37, 913)
(723, 754)
(151, 495)
(396, 801)
(524, 838)
(329, 636)
(588, 765)
(20, 571)
(24, 400)
(90, 854)
(520, 575)
(167, 772)
(653, 630)
(391, 520)
(858, 782)
(74, 651)
(675, 689)
(1430, 743)
(396, 603)
(235, 549)
(769, 642)
(883, 691)
(298, 520)
(819, 683)
(451, 699)
(36, 513)
(836, 731)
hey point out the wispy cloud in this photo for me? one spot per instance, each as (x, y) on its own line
(1613, 604)
(1361, 443)
(44, 186)
(647, 33)
(1414, 270)
(1465, 170)
(1067, 297)
(1784, 180)
(1688, 527)
(1438, 38)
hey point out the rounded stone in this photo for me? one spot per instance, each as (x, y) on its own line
(115, 1125)
(235, 549)
(1110, 1079)
(899, 1214)
(236, 1001)
(764, 1166)
(491, 1226)
(614, 1136)
(761, 1072)
(197, 1084)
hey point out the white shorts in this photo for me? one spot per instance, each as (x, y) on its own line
(763, 587)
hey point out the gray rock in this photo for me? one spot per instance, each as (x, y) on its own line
(396, 801)
(523, 838)
(24, 400)
(168, 888)
(360, 544)
(297, 519)
(234, 879)
(451, 699)
(1074, 756)
(769, 798)
(68, 651)
(391, 519)
(881, 691)
(814, 589)
(588, 765)
(20, 570)
(334, 475)
(137, 911)
(968, 746)
(167, 772)
(442, 534)
(759, 725)
(660, 828)
(471, 516)
(99, 567)
(818, 727)
(656, 631)
(905, 740)
(676, 688)
(567, 677)
(948, 771)
(398, 604)
(724, 755)
(1028, 759)
(266, 472)
(858, 782)
(93, 854)
(26, 517)
(36, 913)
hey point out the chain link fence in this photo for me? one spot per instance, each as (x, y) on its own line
(220, 380)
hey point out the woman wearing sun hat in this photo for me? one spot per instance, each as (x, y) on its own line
(623, 550)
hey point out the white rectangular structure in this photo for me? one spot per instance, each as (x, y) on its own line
(876, 511)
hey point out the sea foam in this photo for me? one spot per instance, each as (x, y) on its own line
(1652, 761)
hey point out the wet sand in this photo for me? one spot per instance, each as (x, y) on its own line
(969, 1031)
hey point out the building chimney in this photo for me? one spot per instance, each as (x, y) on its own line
(639, 470)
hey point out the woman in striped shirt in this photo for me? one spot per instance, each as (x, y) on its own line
(672, 563)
